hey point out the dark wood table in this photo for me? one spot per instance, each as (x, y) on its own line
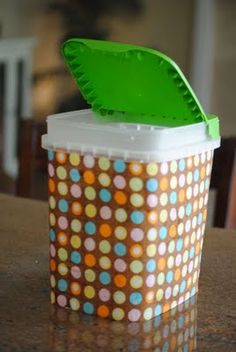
(29, 323)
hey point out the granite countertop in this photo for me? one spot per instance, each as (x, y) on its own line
(29, 323)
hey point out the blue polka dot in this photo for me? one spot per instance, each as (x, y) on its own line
(199, 219)
(63, 205)
(62, 285)
(191, 252)
(196, 175)
(90, 228)
(50, 155)
(152, 185)
(120, 249)
(75, 257)
(105, 278)
(181, 165)
(151, 265)
(74, 175)
(157, 321)
(179, 244)
(189, 209)
(207, 183)
(52, 235)
(180, 322)
(158, 310)
(173, 197)
(185, 349)
(88, 308)
(119, 165)
(169, 276)
(165, 347)
(105, 195)
(137, 217)
(135, 298)
(133, 345)
(163, 232)
(193, 291)
(182, 286)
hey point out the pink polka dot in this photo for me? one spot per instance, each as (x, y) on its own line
(105, 212)
(52, 250)
(181, 300)
(62, 222)
(89, 244)
(137, 234)
(119, 182)
(75, 191)
(152, 200)
(182, 180)
(50, 170)
(89, 161)
(120, 265)
(173, 214)
(61, 300)
(104, 295)
(190, 267)
(168, 293)
(134, 314)
(150, 280)
(164, 168)
(162, 248)
(178, 259)
(75, 272)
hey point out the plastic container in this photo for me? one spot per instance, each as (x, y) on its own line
(128, 206)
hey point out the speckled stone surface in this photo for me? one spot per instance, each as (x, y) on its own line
(29, 323)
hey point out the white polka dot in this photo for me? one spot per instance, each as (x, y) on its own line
(89, 161)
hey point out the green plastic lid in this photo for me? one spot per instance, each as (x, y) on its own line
(133, 84)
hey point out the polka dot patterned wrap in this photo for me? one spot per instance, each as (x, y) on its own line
(125, 237)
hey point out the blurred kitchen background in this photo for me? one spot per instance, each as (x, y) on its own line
(200, 35)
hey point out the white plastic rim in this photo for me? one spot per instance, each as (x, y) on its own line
(81, 131)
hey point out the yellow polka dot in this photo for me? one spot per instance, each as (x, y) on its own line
(104, 246)
(152, 169)
(62, 269)
(62, 254)
(89, 292)
(118, 314)
(74, 159)
(52, 281)
(75, 241)
(104, 179)
(105, 262)
(120, 233)
(90, 210)
(159, 294)
(151, 250)
(104, 163)
(121, 215)
(52, 297)
(61, 172)
(136, 281)
(89, 275)
(163, 215)
(62, 188)
(90, 193)
(119, 297)
(74, 304)
(52, 202)
(136, 200)
(75, 225)
(52, 219)
(136, 184)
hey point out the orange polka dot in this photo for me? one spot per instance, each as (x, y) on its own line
(120, 197)
(75, 288)
(105, 230)
(204, 214)
(172, 231)
(90, 260)
(103, 311)
(181, 195)
(164, 183)
(61, 157)
(173, 343)
(135, 168)
(51, 185)
(166, 307)
(202, 172)
(136, 251)
(120, 280)
(197, 248)
(161, 264)
(53, 265)
(149, 298)
(152, 217)
(89, 177)
(62, 238)
(76, 208)
(177, 275)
